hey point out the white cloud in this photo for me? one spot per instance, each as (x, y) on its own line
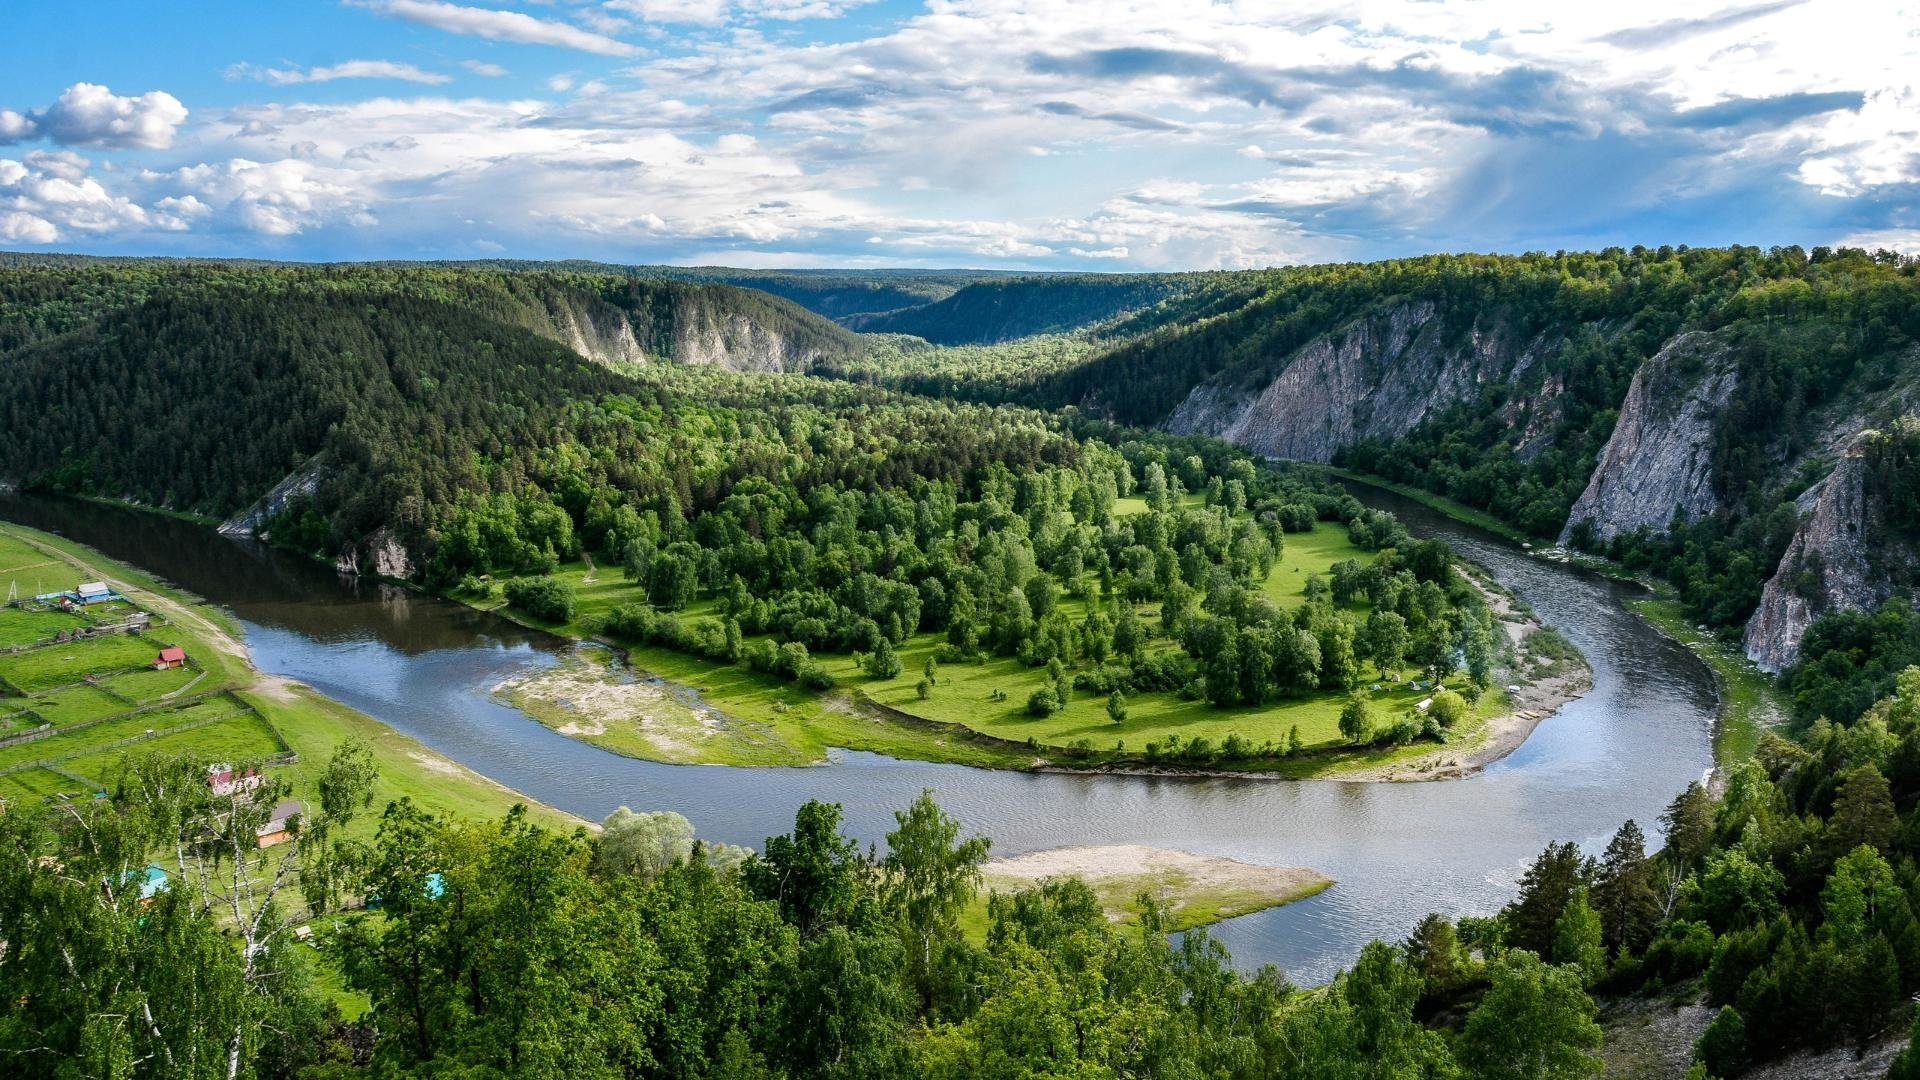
(275, 198)
(48, 196)
(1158, 133)
(496, 25)
(715, 12)
(349, 69)
(19, 227)
(1854, 152)
(86, 114)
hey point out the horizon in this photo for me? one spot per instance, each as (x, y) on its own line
(979, 134)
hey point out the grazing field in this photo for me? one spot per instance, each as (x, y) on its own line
(147, 685)
(19, 626)
(240, 737)
(61, 665)
(75, 704)
(39, 783)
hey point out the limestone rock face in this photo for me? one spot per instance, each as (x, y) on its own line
(380, 554)
(1658, 464)
(702, 332)
(599, 332)
(300, 484)
(1826, 567)
(1375, 378)
(732, 340)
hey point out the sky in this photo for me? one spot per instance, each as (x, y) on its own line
(1045, 134)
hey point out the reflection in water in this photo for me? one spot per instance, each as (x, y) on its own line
(425, 666)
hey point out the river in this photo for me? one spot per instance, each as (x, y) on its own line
(1398, 851)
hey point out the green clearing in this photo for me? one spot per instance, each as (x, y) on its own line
(59, 665)
(771, 722)
(242, 737)
(75, 705)
(20, 626)
(1749, 704)
(148, 685)
(38, 784)
(67, 744)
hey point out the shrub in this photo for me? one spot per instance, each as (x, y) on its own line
(1043, 702)
(1723, 1046)
(545, 598)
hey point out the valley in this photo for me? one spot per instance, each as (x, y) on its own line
(599, 537)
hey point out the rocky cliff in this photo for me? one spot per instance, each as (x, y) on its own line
(708, 335)
(597, 330)
(1826, 567)
(690, 325)
(1375, 378)
(300, 484)
(380, 554)
(1657, 465)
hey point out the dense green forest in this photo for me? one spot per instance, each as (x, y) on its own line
(806, 515)
(988, 312)
(199, 386)
(1809, 333)
(496, 948)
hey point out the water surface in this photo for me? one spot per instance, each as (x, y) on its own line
(1398, 851)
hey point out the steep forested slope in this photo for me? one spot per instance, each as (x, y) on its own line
(1738, 380)
(197, 386)
(986, 312)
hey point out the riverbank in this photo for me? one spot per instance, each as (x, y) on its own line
(1192, 890)
(302, 726)
(1749, 704)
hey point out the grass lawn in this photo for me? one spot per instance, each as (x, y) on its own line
(76, 704)
(1749, 704)
(58, 665)
(38, 783)
(237, 738)
(62, 745)
(148, 685)
(19, 626)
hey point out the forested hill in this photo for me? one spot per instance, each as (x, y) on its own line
(988, 312)
(1727, 418)
(199, 386)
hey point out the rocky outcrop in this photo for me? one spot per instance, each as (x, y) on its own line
(703, 330)
(1658, 465)
(599, 332)
(704, 335)
(380, 554)
(1375, 378)
(1826, 567)
(300, 484)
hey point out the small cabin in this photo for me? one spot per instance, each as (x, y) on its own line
(93, 592)
(281, 824)
(172, 656)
